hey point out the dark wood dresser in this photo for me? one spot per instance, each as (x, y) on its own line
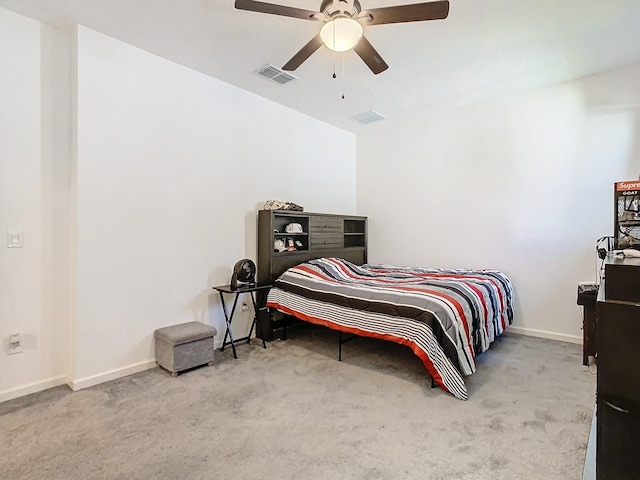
(618, 359)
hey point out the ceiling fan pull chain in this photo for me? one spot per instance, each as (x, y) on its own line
(343, 76)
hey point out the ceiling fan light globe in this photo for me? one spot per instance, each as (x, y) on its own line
(341, 34)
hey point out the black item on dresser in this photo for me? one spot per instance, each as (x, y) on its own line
(323, 235)
(622, 277)
(618, 397)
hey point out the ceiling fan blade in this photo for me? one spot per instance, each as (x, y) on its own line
(305, 52)
(273, 9)
(416, 12)
(370, 56)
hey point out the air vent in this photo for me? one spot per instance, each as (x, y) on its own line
(276, 74)
(368, 117)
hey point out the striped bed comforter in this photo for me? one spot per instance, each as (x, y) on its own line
(446, 317)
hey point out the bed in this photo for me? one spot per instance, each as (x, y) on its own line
(446, 317)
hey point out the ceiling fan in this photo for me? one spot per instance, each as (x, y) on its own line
(343, 25)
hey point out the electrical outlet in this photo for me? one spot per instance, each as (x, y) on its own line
(15, 344)
(15, 239)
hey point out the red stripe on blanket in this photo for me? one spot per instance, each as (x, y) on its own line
(487, 278)
(447, 298)
(483, 303)
(315, 273)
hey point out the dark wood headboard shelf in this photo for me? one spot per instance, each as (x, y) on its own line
(323, 235)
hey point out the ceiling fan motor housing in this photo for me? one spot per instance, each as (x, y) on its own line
(331, 8)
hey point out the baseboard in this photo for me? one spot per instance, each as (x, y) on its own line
(79, 384)
(562, 337)
(30, 388)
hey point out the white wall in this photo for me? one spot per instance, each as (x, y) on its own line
(136, 182)
(522, 184)
(172, 167)
(28, 196)
(56, 164)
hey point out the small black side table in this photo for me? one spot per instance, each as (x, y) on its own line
(250, 289)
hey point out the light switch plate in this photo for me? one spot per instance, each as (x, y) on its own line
(15, 239)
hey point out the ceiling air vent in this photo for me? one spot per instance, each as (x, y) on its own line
(276, 74)
(368, 117)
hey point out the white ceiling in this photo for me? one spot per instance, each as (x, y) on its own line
(483, 49)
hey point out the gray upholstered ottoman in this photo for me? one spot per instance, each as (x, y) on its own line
(184, 346)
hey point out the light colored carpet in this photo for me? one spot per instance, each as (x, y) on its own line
(293, 411)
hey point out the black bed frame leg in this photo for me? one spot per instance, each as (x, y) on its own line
(341, 341)
(433, 383)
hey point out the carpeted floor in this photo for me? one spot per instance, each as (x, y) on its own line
(293, 411)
